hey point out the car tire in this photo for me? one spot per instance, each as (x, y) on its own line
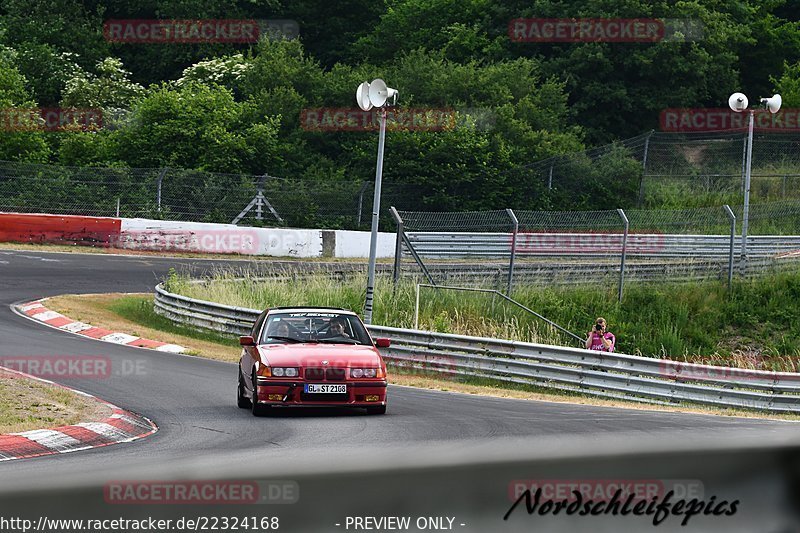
(377, 410)
(257, 408)
(241, 399)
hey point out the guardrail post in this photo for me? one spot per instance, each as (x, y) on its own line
(732, 218)
(398, 245)
(624, 248)
(515, 223)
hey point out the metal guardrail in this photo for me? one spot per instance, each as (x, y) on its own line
(610, 375)
(498, 245)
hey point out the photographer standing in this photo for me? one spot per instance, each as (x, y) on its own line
(600, 339)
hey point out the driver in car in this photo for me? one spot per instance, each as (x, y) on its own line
(337, 329)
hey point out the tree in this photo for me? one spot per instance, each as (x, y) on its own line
(17, 142)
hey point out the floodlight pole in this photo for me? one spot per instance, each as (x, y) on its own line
(746, 210)
(376, 208)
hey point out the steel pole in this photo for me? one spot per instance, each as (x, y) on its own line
(732, 218)
(746, 211)
(376, 208)
(622, 258)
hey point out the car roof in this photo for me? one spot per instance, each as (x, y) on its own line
(311, 309)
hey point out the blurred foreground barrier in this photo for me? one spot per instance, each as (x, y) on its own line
(725, 481)
(610, 375)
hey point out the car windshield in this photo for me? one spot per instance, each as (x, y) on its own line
(328, 327)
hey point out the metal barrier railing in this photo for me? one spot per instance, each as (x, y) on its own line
(603, 374)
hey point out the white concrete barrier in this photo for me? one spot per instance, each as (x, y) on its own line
(199, 237)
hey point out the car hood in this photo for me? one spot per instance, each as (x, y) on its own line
(312, 355)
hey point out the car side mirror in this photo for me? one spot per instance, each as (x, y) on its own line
(247, 340)
(383, 343)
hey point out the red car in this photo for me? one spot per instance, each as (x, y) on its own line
(311, 356)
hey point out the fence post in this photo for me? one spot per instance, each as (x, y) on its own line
(398, 245)
(644, 168)
(361, 202)
(117, 206)
(161, 175)
(732, 217)
(515, 230)
(624, 248)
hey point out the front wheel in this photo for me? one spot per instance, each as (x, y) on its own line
(241, 398)
(377, 410)
(258, 409)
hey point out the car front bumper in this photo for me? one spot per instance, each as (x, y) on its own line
(356, 396)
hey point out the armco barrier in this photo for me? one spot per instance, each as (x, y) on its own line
(610, 375)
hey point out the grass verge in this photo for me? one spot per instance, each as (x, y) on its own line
(26, 404)
(133, 314)
(755, 326)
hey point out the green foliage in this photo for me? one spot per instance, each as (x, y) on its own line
(110, 89)
(27, 146)
(236, 108)
(788, 86)
(195, 126)
(756, 324)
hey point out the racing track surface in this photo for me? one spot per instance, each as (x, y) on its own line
(192, 399)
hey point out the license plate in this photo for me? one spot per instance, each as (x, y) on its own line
(324, 388)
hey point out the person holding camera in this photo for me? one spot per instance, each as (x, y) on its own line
(600, 339)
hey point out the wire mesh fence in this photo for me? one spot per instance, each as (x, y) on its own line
(662, 169)
(191, 195)
(655, 169)
(496, 249)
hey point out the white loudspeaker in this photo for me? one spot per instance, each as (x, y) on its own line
(738, 102)
(773, 104)
(362, 97)
(379, 93)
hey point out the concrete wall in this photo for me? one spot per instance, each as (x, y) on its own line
(198, 237)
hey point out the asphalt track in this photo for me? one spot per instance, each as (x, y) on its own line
(191, 399)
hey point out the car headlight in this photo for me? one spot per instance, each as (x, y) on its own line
(280, 372)
(363, 372)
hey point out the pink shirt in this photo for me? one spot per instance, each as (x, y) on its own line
(597, 344)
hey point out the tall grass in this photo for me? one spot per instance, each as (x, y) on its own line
(757, 325)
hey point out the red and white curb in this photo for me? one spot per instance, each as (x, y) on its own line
(37, 311)
(121, 426)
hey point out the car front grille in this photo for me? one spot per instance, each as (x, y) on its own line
(334, 374)
(328, 374)
(315, 373)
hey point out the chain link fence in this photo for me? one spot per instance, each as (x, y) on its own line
(191, 195)
(663, 169)
(654, 169)
(495, 249)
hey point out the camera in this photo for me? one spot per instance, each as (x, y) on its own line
(598, 327)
